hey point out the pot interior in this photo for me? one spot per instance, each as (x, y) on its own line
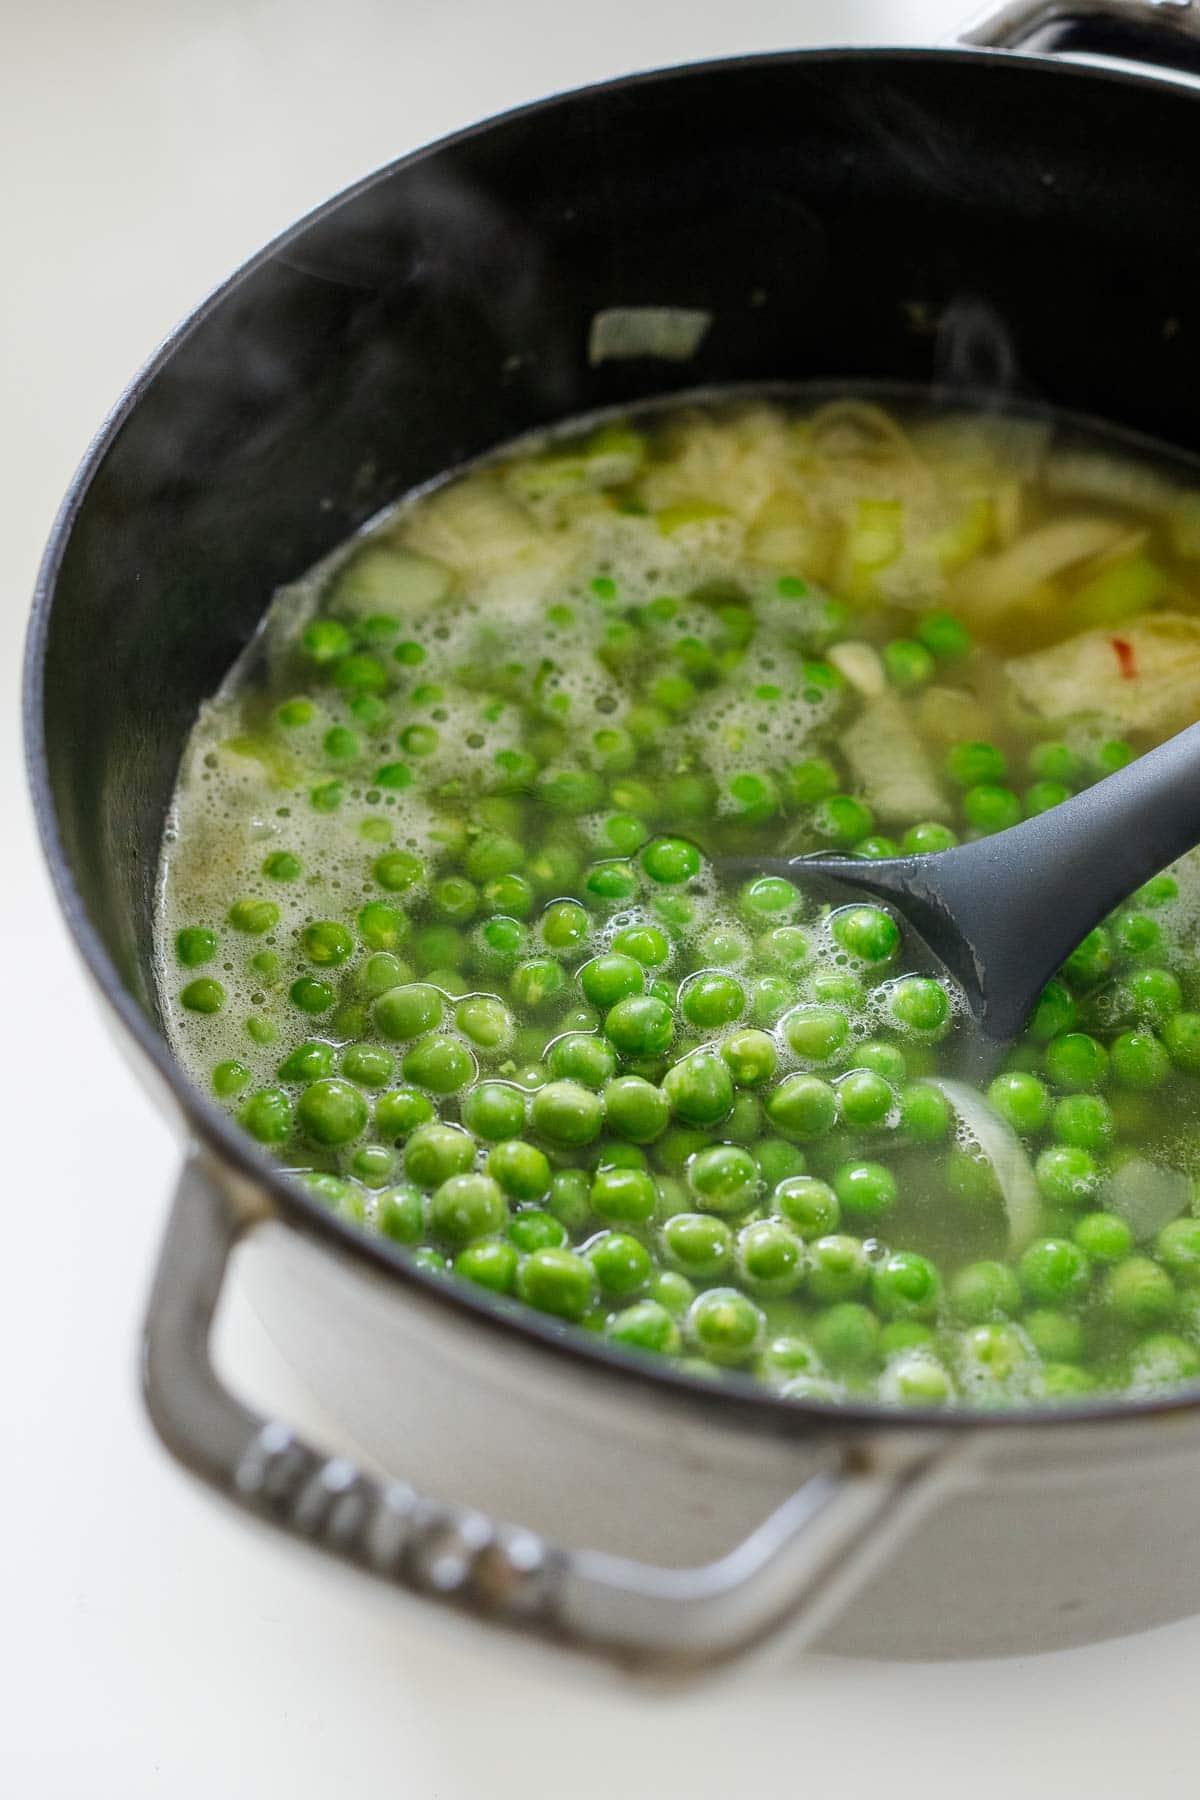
(974, 222)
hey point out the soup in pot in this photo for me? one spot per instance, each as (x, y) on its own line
(443, 922)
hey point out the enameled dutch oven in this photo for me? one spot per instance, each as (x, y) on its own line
(963, 217)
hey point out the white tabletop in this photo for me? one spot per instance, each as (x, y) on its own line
(150, 1642)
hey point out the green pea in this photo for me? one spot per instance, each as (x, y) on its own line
(267, 1115)
(568, 1198)
(671, 860)
(1084, 1120)
(1139, 1293)
(494, 1111)
(440, 1064)
(570, 791)
(1139, 1061)
(846, 1336)
(918, 1005)
(435, 1152)
(1076, 1062)
(769, 897)
(699, 1088)
(646, 944)
(1054, 761)
(724, 1326)
(564, 1112)
(1111, 756)
(944, 636)
(777, 1160)
(465, 1207)
(307, 1062)
(195, 945)
(1067, 1175)
(1153, 995)
(817, 1033)
(204, 995)
(340, 744)
(372, 1164)
(582, 1056)
(230, 1079)
(724, 1178)
(607, 979)
(332, 1111)
(1053, 1015)
(864, 1099)
(645, 1327)
(838, 1270)
(1181, 1038)
(837, 988)
(398, 870)
(842, 819)
(621, 1264)
(635, 1109)
(408, 1011)
(770, 1257)
(1163, 1359)
(875, 848)
(521, 1169)
(881, 1058)
(1054, 1272)
(1177, 1247)
(1065, 1381)
(1056, 1336)
(709, 1000)
(865, 1189)
(984, 1291)
(803, 1107)
(1090, 961)
(699, 1245)
(557, 1281)
(382, 927)
(399, 1112)
(325, 640)
(1103, 1237)
(989, 807)
(485, 1021)
(622, 1196)
(907, 663)
(564, 926)
(400, 1214)
(972, 765)
(641, 1025)
(928, 838)
(537, 983)
(808, 1204)
(787, 947)
(722, 946)
(1021, 1099)
(866, 932)
(1043, 796)
(750, 1057)
(490, 1263)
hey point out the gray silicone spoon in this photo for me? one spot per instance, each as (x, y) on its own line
(1001, 915)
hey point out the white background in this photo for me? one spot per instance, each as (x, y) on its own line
(149, 1642)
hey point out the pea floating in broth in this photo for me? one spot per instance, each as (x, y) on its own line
(441, 922)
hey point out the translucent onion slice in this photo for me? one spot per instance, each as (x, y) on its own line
(1007, 1156)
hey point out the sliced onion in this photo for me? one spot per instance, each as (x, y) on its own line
(1146, 1195)
(1007, 1156)
(994, 583)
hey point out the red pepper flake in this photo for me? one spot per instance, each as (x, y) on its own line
(1126, 657)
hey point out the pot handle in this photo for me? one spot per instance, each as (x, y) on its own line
(1166, 32)
(796, 1569)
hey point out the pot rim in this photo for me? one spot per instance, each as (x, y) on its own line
(734, 1399)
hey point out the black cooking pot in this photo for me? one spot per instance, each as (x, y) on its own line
(959, 219)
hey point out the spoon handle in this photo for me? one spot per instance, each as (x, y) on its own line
(1005, 912)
